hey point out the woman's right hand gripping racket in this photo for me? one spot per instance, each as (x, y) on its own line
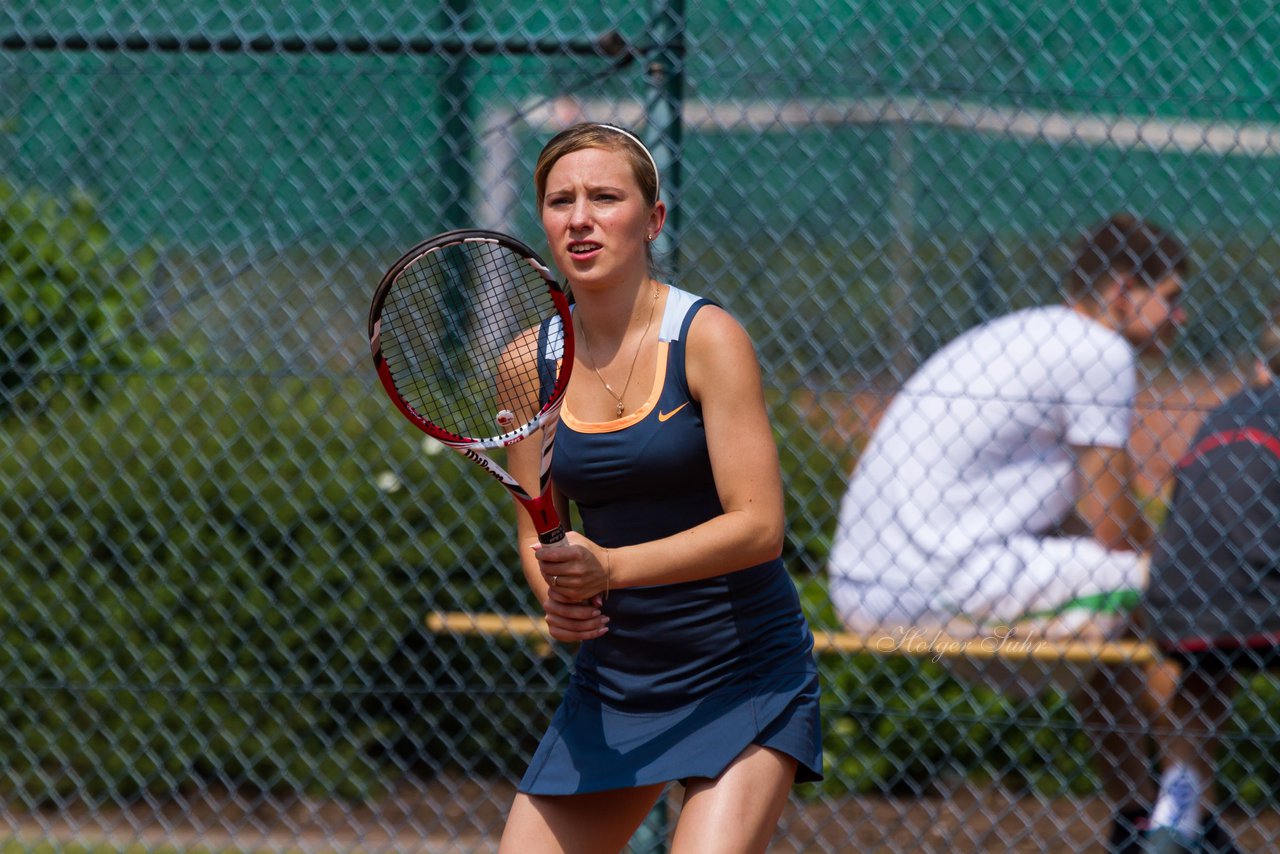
(472, 338)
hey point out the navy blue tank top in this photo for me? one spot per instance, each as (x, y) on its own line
(646, 476)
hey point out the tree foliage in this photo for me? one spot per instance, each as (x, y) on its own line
(72, 298)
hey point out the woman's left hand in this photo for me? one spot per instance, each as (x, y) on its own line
(576, 569)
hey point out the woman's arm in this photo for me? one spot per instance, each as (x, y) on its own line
(566, 620)
(570, 617)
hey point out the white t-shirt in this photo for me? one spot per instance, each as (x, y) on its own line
(976, 449)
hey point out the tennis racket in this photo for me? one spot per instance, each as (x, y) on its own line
(472, 339)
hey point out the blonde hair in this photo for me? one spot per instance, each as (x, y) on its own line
(598, 135)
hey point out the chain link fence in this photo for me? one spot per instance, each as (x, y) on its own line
(219, 544)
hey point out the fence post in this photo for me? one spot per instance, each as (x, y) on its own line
(664, 105)
(454, 145)
(664, 131)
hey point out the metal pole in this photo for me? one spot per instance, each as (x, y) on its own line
(452, 155)
(664, 134)
(453, 106)
(664, 106)
(902, 251)
(610, 44)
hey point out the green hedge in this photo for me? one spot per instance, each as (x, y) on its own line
(71, 298)
(206, 581)
(225, 578)
(904, 725)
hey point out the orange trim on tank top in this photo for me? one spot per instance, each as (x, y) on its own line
(655, 391)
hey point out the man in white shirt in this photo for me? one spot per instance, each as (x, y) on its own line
(997, 489)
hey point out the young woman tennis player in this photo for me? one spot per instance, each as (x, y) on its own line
(696, 663)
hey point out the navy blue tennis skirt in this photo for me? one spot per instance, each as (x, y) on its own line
(687, 678)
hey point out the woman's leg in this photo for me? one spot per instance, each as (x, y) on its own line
(598, 823)
(738, 811)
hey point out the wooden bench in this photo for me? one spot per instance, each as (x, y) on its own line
(918, 643)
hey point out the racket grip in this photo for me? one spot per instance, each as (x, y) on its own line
(552, 537)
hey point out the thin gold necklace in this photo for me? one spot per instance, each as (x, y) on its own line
(643, 335)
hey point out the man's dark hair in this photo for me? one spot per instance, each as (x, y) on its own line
(1124, 245)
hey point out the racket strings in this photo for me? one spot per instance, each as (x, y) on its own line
(460, 336)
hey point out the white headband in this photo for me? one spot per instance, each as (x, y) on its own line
(657, 183)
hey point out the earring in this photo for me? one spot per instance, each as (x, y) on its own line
(649, 237)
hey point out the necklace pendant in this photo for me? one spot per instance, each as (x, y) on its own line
(619, 408)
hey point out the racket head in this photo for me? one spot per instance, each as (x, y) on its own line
(461, 328)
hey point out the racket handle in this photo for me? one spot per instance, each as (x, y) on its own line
(553, 537)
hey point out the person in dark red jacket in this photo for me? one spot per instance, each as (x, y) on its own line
(1213, 602)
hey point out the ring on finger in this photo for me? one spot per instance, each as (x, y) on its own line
(554, 579)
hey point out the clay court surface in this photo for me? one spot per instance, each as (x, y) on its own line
(459, 816)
